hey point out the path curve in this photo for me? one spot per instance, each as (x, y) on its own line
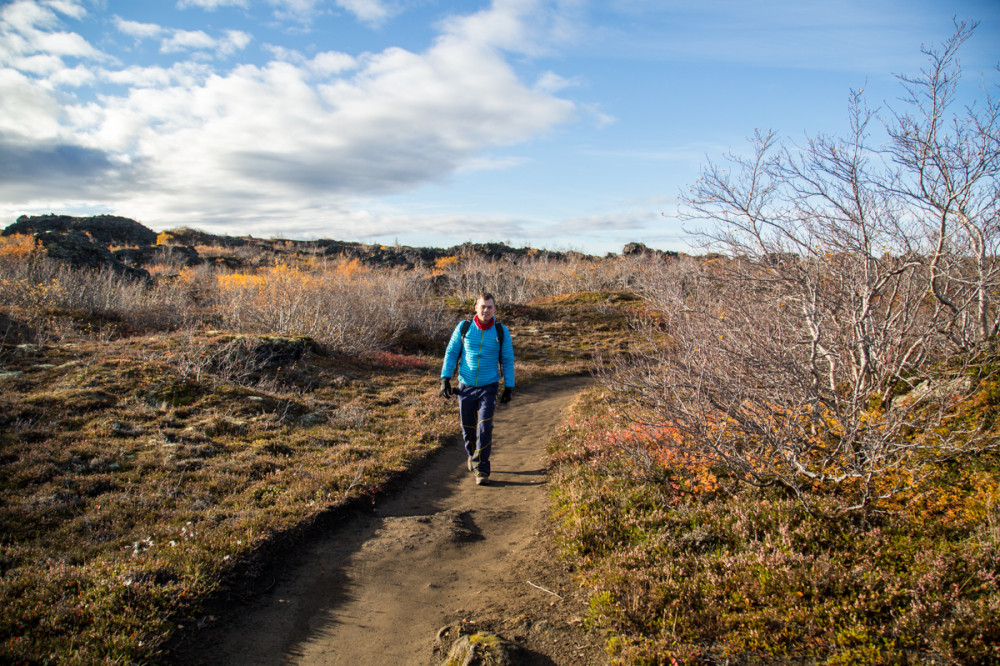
(441, 551)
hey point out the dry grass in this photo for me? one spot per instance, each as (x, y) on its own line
(139, 473)
(159, 439)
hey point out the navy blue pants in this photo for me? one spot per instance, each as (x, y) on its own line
(476, 404)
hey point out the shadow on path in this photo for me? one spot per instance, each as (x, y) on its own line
(374, 586)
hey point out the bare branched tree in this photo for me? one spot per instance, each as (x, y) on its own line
(801, 358)
(948, 166)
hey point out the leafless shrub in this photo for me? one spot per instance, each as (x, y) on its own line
(350, 308)
(794, 361)
(541, 276)
(39, 286)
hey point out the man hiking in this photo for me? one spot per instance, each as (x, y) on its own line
(483, 351)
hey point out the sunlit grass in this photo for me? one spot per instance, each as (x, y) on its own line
(679, 571)
(158, 439)
(132, 485)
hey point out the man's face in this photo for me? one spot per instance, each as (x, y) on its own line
(485, 310)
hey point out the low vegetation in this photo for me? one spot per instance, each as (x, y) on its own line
(791, 455)
(684, 565)
(798, 460)
(161, 440)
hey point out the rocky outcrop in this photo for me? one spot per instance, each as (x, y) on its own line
(138, 246)
(191, 237)
(633, 249)
(104, 229)
(174, 254)
(81, 251)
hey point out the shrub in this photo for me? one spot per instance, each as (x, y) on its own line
(679, 572)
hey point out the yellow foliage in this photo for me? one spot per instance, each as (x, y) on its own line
(164, 238)
(348, 269)
(17, 247)
(445, 262)
(215, 250)
(240, 282)
(441, 264)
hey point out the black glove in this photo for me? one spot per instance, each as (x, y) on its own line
(446, 391)
(508, 393)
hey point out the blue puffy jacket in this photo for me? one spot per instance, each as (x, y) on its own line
(480, 362)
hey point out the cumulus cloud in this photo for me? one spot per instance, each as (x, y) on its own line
(27, 109)
(178, 41)
(137, 29)
(29, 36)
(26, 166)
(290, 135)
(70, 8)
(212, 5)
(369, 11)
(183, 40)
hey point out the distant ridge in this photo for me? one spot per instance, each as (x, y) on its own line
(139, 244)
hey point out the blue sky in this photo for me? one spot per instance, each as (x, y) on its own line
(566, 124)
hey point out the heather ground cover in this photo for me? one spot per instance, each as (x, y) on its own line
(684, 567)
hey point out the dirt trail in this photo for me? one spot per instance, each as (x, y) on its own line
(442, 551)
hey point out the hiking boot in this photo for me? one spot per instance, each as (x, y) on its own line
(482, 480)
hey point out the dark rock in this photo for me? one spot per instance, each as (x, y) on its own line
(174, 254)
(81, 251)
(632, 249)
(105, 229)
(187, 236)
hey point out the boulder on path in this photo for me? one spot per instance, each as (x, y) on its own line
(482, 648)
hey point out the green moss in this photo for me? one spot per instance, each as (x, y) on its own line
(490, 641)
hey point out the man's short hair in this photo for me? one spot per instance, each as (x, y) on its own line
(486, 296)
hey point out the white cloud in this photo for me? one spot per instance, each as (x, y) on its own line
(142, 77)
(531, 27)
(373, 12)
(550, 82)
(26, 30)
(26, 16)
(332, 62)
(75, 77)
(178, 41)
(28, 110)
(234, 41)
(187, 40)
(212, 5)
(40, 65)
(302, 11)
(137, 29)
(294, 135)
(401, 119)
(68, 7)
(369, 11)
